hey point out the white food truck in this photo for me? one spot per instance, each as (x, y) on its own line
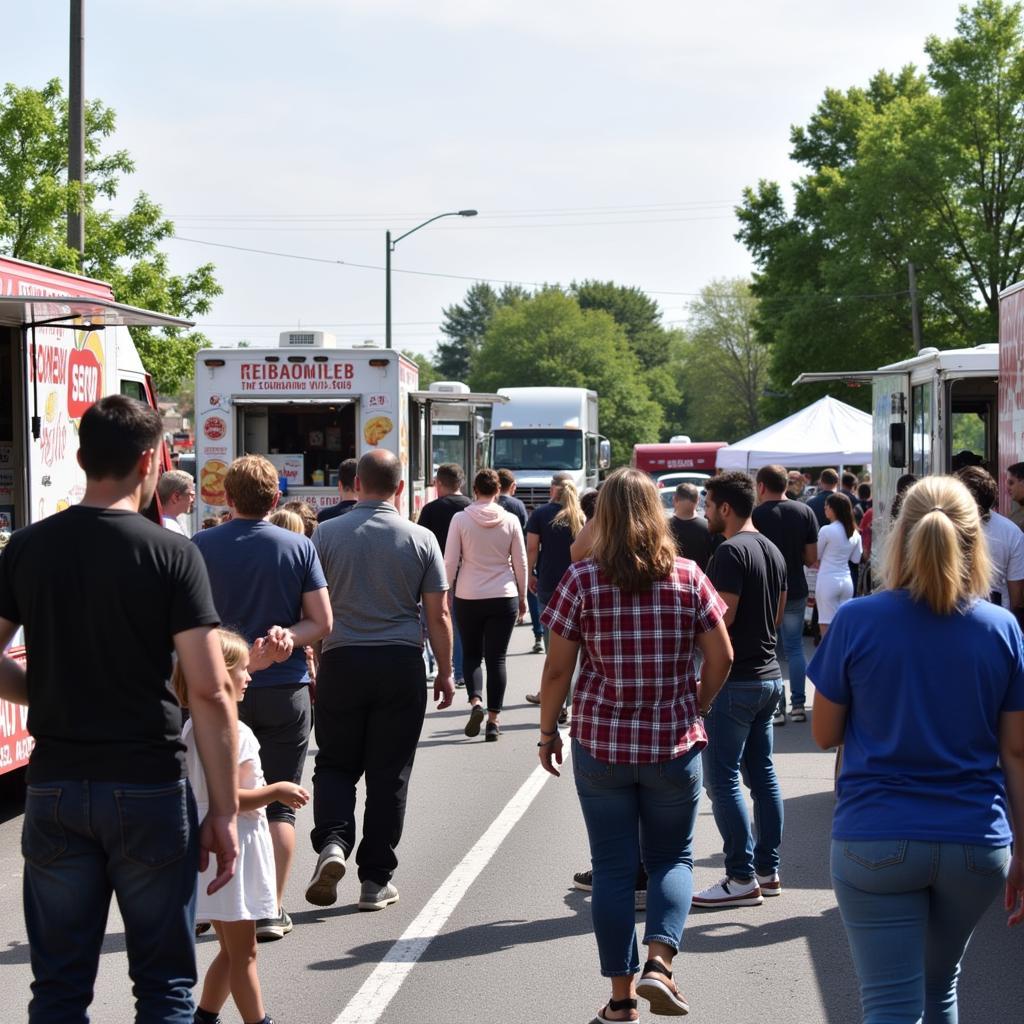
(543, 431)
(64, 344)
(307, 406)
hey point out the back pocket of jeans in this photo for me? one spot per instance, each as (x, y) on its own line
(877, 853)
(154, 824)
(587, 766)
(987, 860)
(43, 838)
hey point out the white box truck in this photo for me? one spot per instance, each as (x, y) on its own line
(542, 431)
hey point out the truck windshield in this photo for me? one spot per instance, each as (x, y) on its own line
(538, 449)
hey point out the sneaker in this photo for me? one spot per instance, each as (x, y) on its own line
(322, 890)
(476, 717)
(729, 893)
(798, 713)
(272, 928)
(770, 884)
(533, 698)
(202, 927)
(376, 897)
(491, 732)
(780, 716)
(583, 881)
(460, 684)
(538, 646)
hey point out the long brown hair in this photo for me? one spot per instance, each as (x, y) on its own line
(632, 545)
(840, 505)
(937, 549)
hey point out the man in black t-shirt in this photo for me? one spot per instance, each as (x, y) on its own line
(105, 598)
(346, 491)
(749, 573)
(689, 530)
(828, 482)
(437, 517)
(793, 528)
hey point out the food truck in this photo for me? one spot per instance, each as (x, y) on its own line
(658, 460)
(307, 406)
(64, 343)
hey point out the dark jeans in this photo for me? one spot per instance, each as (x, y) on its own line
(535, 609)
(486, 627)
(370, 703)
(280, 717)
(660, 802)
(739, 727)
(83, 842)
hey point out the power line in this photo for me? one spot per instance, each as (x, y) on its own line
(472, 227)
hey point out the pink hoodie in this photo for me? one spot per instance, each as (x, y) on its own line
(485, 554)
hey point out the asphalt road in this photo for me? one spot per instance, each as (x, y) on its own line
(513, 940)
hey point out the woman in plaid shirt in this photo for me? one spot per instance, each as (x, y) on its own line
(639, 614)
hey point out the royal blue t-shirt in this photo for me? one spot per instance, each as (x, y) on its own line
(923, 694)
(258, 573)
(555, 542)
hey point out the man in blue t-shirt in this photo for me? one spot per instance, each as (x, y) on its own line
(267, 581)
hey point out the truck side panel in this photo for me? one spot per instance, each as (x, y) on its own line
(1011, 388)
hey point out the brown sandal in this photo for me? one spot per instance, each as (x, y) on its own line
(665, 999)
(615, 1005)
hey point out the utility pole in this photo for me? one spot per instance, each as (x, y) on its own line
(387, 290)
(915, 312)
(76, 124)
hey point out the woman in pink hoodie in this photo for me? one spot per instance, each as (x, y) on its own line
(485, 556)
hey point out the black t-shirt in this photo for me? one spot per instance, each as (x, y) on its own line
(333, 511)
(515, 506)
(817, 505)
(101, 594)
(693, 539)
(437, 515)
(555, 542)
(751, 566)
(790, 526)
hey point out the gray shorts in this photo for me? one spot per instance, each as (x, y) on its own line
(280, 718)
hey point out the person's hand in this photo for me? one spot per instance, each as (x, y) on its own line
(550, 753)
(522, 610)
(310, 664)
(218, 835)
(1015, 890)
(444, 690)
(531, 583)
(260, 655)
(290, 795)
(280, 642)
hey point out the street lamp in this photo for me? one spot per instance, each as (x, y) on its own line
(387, 267)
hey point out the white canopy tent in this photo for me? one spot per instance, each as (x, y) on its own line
(827, 433)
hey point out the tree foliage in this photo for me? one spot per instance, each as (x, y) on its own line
(124, 250)
(466, 323)
(547, 340)
(428, 371)
(923, 168)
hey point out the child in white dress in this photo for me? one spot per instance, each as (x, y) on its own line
(251, 894)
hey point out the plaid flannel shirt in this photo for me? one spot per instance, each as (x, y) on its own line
(635, 701)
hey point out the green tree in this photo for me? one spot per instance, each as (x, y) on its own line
(723, 364)
(466, 323)
(915, 168)
(547, 340)
(35, 198)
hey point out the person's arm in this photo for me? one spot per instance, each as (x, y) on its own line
(584, 543)
(828, 723)
(1016, 590)
(732, 603)
(716, 648)
(517, 554)
(532, 552)
(316, 622)
(780, 614)
(858, 548)
(810, 554)
(13, 682)
(453, 550)
(1011, 756)
(286, 793)
(554, 686)
(439, 629)
(214, 716)
(823, 545)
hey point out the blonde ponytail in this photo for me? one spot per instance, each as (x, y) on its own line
(571, 514)
(937, 550)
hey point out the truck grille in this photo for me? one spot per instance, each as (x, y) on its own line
(533, 497)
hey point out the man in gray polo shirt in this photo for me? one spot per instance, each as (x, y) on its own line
(371, 686)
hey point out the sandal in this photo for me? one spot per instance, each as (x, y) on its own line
(664, 998)
(615, 1005)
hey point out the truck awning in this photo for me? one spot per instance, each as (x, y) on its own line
(466, 398)
(852, 377)
(65, 310)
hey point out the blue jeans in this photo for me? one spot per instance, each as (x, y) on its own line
(909, 908)
(792, 636)
(83, 842)
(658, 801)
(739, 729)
(534, 606)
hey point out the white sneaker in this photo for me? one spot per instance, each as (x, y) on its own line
(376, 897)
(770, 884)
(322, 890)
(729, 893)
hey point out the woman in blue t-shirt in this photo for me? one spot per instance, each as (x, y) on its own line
(923, 684)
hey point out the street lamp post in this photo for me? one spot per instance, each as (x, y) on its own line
(390, 248)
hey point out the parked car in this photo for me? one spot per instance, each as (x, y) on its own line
(669, 481)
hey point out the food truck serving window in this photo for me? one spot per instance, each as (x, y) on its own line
(921, 418)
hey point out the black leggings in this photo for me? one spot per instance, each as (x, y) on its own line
(486, 626)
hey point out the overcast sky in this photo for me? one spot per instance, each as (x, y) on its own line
(597, 139)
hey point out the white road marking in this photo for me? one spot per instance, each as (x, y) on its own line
(369, 1003)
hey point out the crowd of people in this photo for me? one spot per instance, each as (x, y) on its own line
(170, 774)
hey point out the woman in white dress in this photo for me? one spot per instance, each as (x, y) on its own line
(251, 894)
(839, 544)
